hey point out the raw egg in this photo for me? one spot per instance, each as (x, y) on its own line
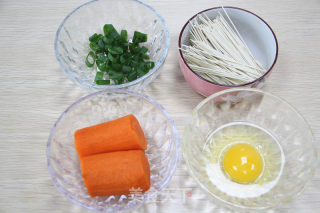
(243, 160)
(242, 163)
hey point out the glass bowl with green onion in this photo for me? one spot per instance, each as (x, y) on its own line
(110, 44)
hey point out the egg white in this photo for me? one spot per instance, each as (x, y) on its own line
(219, 179)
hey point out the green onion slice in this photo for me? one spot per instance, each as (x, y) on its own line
(139, 37)
(99, 76)
(124, 35)
(102, 82)
(91, 56)
(115, 50)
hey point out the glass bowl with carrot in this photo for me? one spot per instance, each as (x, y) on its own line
(110, 44)
(113, 150)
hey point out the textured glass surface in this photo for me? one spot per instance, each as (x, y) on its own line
(268, 112)
(72, 44)
(160, 131)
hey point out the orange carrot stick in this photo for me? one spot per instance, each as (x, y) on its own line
(115, 173)
(121, 134)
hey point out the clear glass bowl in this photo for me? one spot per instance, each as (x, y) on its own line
(72, 45)
(268, 112)
(160, 131)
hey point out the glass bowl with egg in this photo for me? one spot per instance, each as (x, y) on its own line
(226, 47)
(163, 147)
(249, 149)
(72, 41)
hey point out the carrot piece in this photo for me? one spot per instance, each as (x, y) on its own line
(115, 173)
(121, 134)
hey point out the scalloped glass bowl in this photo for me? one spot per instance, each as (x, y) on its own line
(72, 45)
(268, 112)
(160, 131)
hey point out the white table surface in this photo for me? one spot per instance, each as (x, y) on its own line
(34, 91)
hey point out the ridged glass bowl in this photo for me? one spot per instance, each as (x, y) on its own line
(160, 131)
(269, 113)
(72, 45)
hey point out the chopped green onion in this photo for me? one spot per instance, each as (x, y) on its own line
(101, 44)
(123, 58)
(139, 37)
(102, 66)
(116, 67)
(124, 35)
(92, 56)
(140, 72)
(132, 76)
(99, 76)
(94, 46)
(151, 64)
(107, 46)
(136, 58)
(111, 58)
(118, 81)
(115, 35)
(107, 40)
(108, 29)
(102, 58)
(144, 66)
(115, 75)
(126, 69)
(94, 38)
(143, 50)
(118, 58)
(115, 50)
(102, 82)
(145, 56)
(134, 63)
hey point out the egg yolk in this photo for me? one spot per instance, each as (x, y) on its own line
(242, 163)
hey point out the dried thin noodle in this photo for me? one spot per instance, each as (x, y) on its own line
(219, 54)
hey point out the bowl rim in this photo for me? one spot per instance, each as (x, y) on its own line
(158, 64)
(223, 85)
(230, 90)
(133, 205)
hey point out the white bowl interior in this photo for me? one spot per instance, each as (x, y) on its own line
(255, 32)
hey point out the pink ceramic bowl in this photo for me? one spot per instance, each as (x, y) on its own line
(257, 34)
